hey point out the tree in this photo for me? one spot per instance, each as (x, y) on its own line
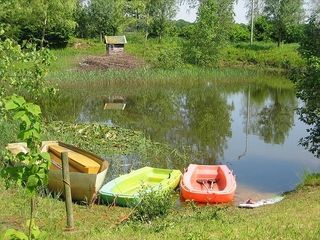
(282, 14)
(262, 29)
(160, 11)
(82, 19)
(254, 11)
(106, 16)
(211, 32)
(43, 22)
(308, 85)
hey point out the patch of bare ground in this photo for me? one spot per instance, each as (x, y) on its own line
(119, 61)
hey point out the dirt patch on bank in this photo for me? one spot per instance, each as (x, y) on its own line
(120, 61)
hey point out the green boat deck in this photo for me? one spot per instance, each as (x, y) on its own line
(124, 190)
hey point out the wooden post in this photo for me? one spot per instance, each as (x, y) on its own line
(67, 190)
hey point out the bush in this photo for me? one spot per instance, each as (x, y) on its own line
(154, 203)
(240, 33)
(169, 59)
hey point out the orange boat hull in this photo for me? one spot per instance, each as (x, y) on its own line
(208, 184)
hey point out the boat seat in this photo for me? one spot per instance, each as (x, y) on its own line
(82, 163)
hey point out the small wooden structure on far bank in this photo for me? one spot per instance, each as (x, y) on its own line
(115, 44)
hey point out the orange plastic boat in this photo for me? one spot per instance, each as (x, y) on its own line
(208, 184)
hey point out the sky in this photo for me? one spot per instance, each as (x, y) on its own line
(190, 14)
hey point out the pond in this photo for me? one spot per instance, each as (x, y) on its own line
(253, 128)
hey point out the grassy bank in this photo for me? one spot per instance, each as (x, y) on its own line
(296, 217)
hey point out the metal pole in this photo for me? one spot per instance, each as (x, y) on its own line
(67, 190)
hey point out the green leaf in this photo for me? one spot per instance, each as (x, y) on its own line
(37, 126)
(45, 156)
(33, 108)
(10, 105)
(18, 100)
(24, 135)
(19, 114)
(32, 181)
(26, 120)
(14, 234)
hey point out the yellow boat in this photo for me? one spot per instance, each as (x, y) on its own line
(87, 170)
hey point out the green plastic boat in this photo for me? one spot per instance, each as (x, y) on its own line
(124, 190)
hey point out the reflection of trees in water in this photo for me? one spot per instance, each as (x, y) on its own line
(210, 123)
(198, 118)
(273, 117)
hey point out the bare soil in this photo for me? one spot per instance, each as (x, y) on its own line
(119, 61)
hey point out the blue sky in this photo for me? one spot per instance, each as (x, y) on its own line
(190, 14)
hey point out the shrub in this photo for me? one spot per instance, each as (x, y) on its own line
(239, 33)
(154, 203)
(169, 59)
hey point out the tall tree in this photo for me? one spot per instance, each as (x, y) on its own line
(254, 10)
(160, 11)
(106, 16)
(212, 31)
(283, 14)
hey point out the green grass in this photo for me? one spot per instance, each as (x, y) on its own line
(262, 54)
(70, 57)
(296, 217)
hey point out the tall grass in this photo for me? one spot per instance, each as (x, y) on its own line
(262, 54)
(105, 79)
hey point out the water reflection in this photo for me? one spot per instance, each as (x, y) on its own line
(272, 118)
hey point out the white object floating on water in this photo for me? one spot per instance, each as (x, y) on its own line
(253, 204)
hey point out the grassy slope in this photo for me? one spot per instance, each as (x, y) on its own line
(296, 217)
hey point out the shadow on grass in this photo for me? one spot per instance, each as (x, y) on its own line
(254, 47)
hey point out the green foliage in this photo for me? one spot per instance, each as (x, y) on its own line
(294, 33)
(43, 22)
(308, 86)
(183, 28)
(211, 32)
(113, 141)
(154, 203)
(160, 11)
(12, 234)
(283, 14)
(170, 59)
(311, 180)
(106, 17)
(310, 43)
(22, 71)
(262, 29)
(26, 169)
(240, 33)
(262, 54)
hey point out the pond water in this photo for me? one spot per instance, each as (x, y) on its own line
(252, 128)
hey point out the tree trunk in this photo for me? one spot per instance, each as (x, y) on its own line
(252, 17)
(44, 29)
(32, 203)
(279, 38)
